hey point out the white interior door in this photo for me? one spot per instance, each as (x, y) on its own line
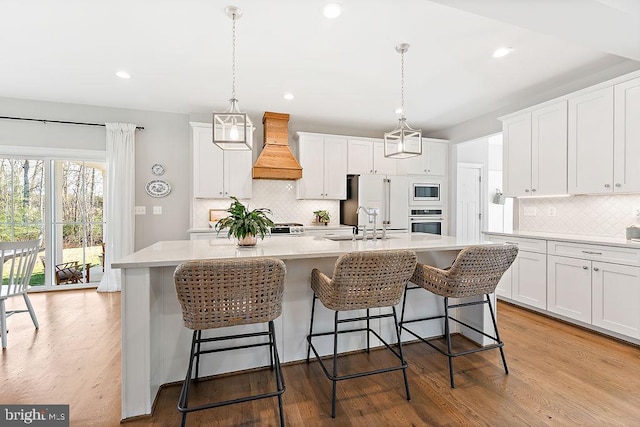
(469, 198)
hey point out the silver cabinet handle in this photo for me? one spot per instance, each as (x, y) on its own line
(375, 171)
(618, 185)
(607, 186)
(592, 253)
(533, 190)
(221, 192)
(585, 267)
(595, 269)
(526, 191)
(511, 243)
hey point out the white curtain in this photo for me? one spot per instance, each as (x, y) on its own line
(119, 204)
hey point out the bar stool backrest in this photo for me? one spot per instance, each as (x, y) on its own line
(220, 293)
(476, 271)
(371, 279)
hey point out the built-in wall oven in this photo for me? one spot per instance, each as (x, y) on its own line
(428, 220)
(425, 192)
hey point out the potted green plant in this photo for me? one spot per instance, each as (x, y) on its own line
(322, 217)
(245, 225)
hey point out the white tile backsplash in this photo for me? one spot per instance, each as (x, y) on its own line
(590, 215)
(277, 195)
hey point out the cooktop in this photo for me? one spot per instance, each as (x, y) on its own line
(287, 228)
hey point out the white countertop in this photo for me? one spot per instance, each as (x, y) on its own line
(172, 253)
(575, 238)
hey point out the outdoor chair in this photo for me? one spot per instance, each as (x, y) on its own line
(16, 263)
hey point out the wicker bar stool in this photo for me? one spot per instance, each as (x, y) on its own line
(362, 280)
(221, 293)
(476, 271)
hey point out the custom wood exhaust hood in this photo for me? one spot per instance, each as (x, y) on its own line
(276, 161)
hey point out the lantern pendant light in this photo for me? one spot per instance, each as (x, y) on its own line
(233, 130)
(403, 142)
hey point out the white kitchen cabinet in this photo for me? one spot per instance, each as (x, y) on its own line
(366, 156)
(626, 143)
(218, 173)
(526, 280)
(590, 142)
(535, 152)
(324, 166)
(569, 287)
(433, 160)
(616, 298)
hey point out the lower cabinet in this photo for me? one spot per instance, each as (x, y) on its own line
(569, 287)
(528, 283)
(616, 298)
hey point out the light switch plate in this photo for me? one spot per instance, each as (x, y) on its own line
(141, 210)
(552, 211)
(157, 210)
(636, 212)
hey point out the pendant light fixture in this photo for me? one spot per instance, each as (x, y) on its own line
(233, 130)
(403, 142)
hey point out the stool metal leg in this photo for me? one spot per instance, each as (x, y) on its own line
(184, 393)
(279, 377)
(495, 327)
(313, 310)
(402, 360)
(198, 353)
(447, 333)
(335, 364)
(368, 329)
(404, 305)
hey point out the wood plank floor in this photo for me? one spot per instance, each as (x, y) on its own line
(559, 375)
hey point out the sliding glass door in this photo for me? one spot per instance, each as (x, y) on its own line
(61, 200)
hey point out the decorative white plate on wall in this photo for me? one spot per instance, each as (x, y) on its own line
(158, 188)
(157, 169)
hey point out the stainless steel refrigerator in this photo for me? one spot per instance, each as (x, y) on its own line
(388, 195)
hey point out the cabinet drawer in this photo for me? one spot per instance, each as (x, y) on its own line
(524, 244)
(613, 254)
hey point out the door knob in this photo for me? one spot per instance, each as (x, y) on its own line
(596, 269)
(526, 191)
(584, 267)
(607, 186)
(618, 185)
(533, 190)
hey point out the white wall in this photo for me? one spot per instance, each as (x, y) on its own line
(164, 140)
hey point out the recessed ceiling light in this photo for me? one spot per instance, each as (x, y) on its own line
(399, 110)
(332, 10)
(288, 95)
(502, 51)
(123, 75)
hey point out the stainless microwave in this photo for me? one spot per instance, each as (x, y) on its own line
(425, 193)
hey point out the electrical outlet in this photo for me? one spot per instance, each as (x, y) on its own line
(157, 210)
(531, 211)
(636, 212)
(141, 210)
(552, 211)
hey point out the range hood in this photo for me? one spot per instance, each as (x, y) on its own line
(276, 161)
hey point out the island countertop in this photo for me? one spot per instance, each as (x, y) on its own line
(172, 253)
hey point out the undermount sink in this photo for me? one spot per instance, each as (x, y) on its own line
(338, 238)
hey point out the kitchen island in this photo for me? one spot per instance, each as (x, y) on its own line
(155, 344)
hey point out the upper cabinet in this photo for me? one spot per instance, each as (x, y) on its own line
(324, 163)
(626, 136)
(218, 174)
(433, 160)
(366, 156)
(591, 142)
(535, 152)
(587, 142)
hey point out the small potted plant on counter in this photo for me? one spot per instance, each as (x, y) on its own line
(322, 217)
(245, 225)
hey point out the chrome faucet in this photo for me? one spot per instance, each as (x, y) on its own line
(370, 212)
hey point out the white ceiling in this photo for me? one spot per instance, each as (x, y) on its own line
(344, 72)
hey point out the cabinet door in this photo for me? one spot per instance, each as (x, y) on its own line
(590, 142)
(504, 285)
(360, 156)
(335, 168)
(208, 165)
(549, 150)
(616, 298)
(516, 134)
(529, 283)
(237, 174)
(569, 287)
(383, 165)
(437, 156)
(626, 143)
(311, 151)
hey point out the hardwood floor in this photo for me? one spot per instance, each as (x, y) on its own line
(559, 375)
